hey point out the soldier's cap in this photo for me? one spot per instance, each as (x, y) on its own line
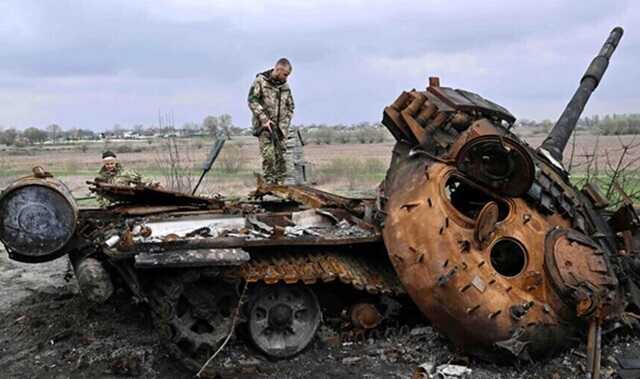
(108, 154)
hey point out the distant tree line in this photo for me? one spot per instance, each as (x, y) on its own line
(217, 126)
(614, 124)
(361, 132)
(222, 126)
(609, 124)
(33, 135)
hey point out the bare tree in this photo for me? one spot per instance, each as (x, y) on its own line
(176, 164)
(34, 135)
(54, 131)
(210, 124)
(8, 137)
(612, 169)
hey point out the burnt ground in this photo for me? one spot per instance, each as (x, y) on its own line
(47, 330)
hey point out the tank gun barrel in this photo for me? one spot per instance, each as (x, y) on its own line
(562, 130)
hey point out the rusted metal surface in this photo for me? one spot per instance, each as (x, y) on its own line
(365, 316)
(148, 210)
(359, 269)
(469, 102)
(489, 237)
(486, 223)
(579, 270)
(499, 163)
(592, 191)
(422, 117)
(453, 280)
(312, 197)
(146, 195)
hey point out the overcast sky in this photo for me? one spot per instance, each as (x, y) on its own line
(93, 64)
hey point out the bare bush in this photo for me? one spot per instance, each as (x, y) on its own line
(123, 149)
(355, 172)
(230, 160)
(343, 137)
(176, 164)
(324, 135)
(7, 172)
(613, 170)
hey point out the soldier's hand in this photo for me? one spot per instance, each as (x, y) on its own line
(268, 125)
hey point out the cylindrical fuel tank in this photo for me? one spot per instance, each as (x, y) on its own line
(37, 219)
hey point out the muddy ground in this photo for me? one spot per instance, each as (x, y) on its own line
(47, 330)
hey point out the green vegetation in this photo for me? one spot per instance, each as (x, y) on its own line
(614, 124)
(352, 171)
(362, 132)
(606, 125)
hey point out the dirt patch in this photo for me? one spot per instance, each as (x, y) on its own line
(47, 330)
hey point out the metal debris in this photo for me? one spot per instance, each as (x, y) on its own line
(192, 258)
(148, 195)
(445, 371)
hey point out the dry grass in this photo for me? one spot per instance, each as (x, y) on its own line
(344, 168)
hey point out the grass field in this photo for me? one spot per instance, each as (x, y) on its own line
(348, 168)
(353, 169)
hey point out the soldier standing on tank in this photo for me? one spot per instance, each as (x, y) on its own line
(272, 106)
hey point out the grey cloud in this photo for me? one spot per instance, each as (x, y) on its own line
(93, 64)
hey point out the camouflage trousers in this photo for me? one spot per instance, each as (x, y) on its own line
(274, 167)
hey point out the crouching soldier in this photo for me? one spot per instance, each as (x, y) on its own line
(271, 105)
(112, 172)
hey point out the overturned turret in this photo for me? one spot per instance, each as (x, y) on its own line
(489, 237)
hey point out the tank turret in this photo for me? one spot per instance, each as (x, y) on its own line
(490, 239)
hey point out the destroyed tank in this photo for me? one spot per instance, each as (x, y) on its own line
(274, 266)
(487, 236)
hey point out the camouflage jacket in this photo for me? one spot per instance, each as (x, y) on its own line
(120, 176)
(270, 100)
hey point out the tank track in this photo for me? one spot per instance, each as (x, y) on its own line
(358, 269)
(363, 270)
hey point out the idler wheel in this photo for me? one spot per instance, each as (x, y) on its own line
(283, 319)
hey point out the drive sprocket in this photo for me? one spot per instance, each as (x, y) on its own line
(193, 312)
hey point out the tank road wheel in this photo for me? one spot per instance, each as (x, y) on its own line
(194, 315)
(283, 319)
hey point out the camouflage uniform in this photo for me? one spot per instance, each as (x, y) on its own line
(120, 177)
(271, 100)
